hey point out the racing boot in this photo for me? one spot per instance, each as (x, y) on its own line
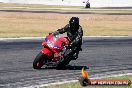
(75, 56)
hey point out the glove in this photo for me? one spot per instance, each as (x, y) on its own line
(50, 33)
(56, 33)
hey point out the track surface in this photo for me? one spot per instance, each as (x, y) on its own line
(43, 11)
(99, 56)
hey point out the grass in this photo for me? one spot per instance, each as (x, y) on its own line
(17, 24)
(77, 84)
(14, 24)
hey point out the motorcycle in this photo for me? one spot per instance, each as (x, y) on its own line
(52, 53)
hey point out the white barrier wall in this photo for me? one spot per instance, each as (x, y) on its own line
(48, 2)
(94, 3)
(111, 3)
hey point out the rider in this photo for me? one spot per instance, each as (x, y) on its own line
(74, 35)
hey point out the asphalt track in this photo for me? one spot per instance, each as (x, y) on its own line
(99, 56)
(58, 12)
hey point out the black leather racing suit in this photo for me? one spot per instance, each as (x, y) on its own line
(75, 39)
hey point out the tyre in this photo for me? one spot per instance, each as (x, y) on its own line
(39, 60)
(64, 63)
(84, 81)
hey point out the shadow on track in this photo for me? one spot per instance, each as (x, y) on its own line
(69, 67)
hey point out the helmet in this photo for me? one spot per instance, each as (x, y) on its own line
(74, 23)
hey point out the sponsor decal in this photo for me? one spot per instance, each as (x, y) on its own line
(85, 81)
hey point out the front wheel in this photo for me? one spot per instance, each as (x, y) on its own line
(39, 60)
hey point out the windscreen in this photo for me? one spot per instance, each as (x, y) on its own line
(53, 41)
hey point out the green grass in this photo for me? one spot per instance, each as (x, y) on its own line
(77, 85)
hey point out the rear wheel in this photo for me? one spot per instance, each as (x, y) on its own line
(64, 63)
(39, 61)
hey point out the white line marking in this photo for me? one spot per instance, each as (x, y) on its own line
(25, 38)
(73, 81)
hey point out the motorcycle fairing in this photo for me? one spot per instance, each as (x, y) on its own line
(46, 51)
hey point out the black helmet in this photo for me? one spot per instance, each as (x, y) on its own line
(74, 23)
